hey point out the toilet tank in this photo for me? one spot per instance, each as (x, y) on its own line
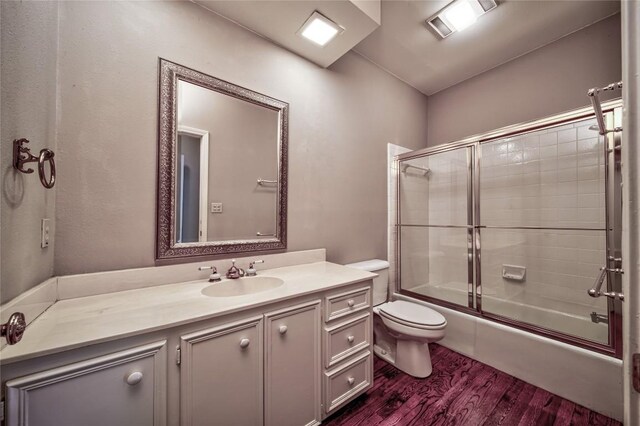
(381, 282)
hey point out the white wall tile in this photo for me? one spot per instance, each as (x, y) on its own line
(553, 178)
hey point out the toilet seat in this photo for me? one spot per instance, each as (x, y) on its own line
(412, 315)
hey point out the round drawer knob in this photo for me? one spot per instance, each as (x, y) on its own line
(244, 343)
(351, 381)
(350, 339)
(134, 378)
(350, 302)
(282, 329)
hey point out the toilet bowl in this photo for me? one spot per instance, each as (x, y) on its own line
(402, 329)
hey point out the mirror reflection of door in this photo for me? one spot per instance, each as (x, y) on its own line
(240, 200)
(192, 183)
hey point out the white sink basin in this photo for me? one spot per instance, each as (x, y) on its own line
(242, 286)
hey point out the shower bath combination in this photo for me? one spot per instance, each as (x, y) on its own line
(520, 226)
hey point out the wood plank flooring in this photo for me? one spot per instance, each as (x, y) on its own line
(461, 391)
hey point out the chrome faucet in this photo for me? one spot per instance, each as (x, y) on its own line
(234, 272)
(251, 272)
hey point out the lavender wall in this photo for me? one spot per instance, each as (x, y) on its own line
(341, 119)
(547, 81)
(28, 70)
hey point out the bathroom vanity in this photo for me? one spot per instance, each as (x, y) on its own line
(289, 346)
(171, 354)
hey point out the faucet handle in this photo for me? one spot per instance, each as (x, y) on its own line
(251, 271)
(214, 276)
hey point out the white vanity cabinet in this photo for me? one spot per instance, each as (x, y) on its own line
(292, 366)
(229, 371)
(290, 362)
(221, 375)
(123, 388)
(348, 355)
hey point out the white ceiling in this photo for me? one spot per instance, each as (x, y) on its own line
(279, 21)
(403, 44)
(405, 47)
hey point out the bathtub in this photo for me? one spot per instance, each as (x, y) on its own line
(566, 317)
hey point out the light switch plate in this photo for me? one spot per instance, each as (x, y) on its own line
(45, 233)
(216, 207)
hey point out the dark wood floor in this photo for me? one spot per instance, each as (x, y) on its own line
(461, 391)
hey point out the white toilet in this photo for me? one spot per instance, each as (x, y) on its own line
(402, 330)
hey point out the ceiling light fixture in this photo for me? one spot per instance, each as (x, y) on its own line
(320, 29)
(459, 15)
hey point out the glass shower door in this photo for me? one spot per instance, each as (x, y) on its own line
(543, 228)
(435, 226)
(517, 228)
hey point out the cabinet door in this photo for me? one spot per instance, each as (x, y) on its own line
(123, 388)
(293, 371)
(221, 375)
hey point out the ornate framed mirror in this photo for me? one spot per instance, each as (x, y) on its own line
(222, 167)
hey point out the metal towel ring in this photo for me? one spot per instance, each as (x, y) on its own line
(22, 155)
(47, 155)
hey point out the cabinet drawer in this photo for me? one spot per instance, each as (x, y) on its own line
(347, 381)
(342, 304)
(346, 339)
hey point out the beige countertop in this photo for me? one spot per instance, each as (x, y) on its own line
(82, 321)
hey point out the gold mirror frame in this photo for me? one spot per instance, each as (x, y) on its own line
(166, 247)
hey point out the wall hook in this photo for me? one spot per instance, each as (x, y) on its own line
(22, 155)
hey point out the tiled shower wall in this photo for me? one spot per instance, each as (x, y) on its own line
(551, 178)
(448, 205)
(435, 255)
(447, 185)
(414, 240)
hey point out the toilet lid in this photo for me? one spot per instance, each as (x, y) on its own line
(412, 313)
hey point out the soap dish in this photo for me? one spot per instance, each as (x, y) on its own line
(513, 272)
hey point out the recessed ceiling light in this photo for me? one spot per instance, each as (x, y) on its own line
(459, 15)
(320, 29)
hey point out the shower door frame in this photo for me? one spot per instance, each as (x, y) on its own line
(613, 222)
